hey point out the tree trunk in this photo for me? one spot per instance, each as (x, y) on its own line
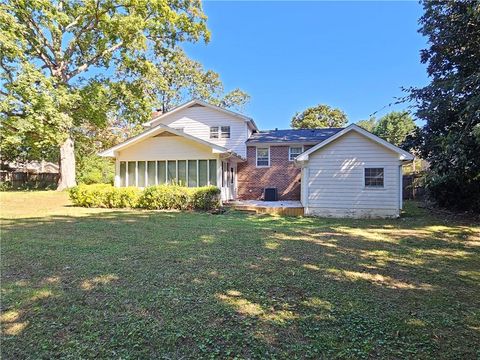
(67, 165)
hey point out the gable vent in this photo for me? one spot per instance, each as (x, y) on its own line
(196, 105)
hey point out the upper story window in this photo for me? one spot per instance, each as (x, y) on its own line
(214, 132)
(222, 132)
(374, 177)
(263, 157)
(225, 133)
(294, 151)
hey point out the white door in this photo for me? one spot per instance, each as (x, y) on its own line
(229, 178)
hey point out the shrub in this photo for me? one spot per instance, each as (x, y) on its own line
(152, 198)
(126, 197)
(104, 195)
(454, 192)
(166, 197)
(206, 198)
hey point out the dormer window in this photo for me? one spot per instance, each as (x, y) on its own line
(225, 134)
(214, 132)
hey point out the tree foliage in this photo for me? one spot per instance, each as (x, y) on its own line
(394, 127)
(320, 116)
(450, 104)
(369, 124)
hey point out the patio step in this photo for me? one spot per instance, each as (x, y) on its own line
(272, 210)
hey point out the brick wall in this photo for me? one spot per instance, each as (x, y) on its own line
(281, 174)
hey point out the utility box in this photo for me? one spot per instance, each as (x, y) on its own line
(270, 194)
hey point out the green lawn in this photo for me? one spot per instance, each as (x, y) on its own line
(98, 283)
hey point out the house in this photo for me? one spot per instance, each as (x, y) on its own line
(339, 172)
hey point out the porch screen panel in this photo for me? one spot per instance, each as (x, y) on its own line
(141, 174)
(132, 166)
(213, 172)
(172, 171)
(161, 172)
(192, 173)
(202, 173)
(151, 173)
(123, 173)
(182, 172)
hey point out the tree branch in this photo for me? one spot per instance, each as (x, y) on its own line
(93, 60)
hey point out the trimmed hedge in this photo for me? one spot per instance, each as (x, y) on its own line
(152, 198)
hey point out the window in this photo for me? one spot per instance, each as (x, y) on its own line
(132, 180)
(182, 172)
(212, 172)
(161, 172)
(151, 173)
(294, 151)
(225, 134)
(214, 132)
(171, 171)
(202, 172)
(192, 173)
(374, 177)
(141, 174)
(123, 173)
(263, 157)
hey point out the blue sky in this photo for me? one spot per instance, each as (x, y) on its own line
(292, 55)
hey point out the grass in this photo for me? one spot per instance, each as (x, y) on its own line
(98, 283)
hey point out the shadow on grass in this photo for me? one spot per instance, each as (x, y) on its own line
(155, 284)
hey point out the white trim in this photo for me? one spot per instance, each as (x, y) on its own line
(203, 103)
(403, 154)
(154, 131)
(400, 182)
(293, 146)
(256, 156)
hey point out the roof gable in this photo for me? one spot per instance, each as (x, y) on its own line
(403, 155)
(155, 131)
(200, 103)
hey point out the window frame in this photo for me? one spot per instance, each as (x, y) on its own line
(290, 152)
(256, 156)
(223, 133)
(373, 187)
(215, 132)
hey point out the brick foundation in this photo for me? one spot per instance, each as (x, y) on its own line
(282, 174)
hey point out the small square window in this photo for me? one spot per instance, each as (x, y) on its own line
(263, 157)
(294, 151)
(225, 133)
(214, 132)
(374, 177)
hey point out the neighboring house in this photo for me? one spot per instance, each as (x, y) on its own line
(334, 172)
(33, 167)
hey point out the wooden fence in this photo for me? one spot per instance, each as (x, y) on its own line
(413, 186)
(19, 179)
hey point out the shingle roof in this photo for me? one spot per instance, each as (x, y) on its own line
(293, 135)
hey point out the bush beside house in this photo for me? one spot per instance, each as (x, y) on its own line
(152, 198)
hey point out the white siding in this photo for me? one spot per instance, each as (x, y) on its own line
(197, 120)
(335, 179)
(166, 148)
